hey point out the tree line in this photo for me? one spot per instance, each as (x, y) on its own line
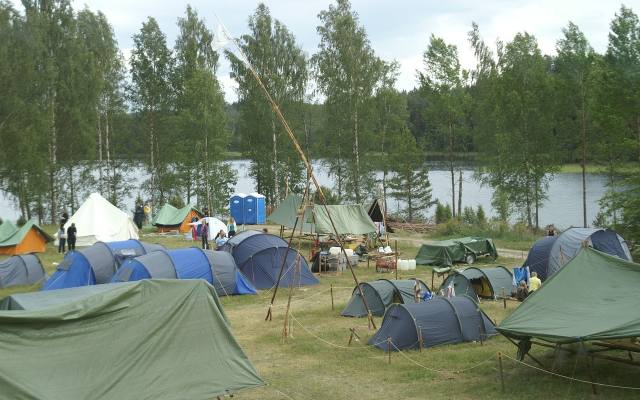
(78, 116)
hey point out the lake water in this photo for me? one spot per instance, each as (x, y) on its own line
(563, 208)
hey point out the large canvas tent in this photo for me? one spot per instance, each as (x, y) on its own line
(29, 238)
(434, 322)
(348, 219)
(21, 270)
(481, 282)
(259, 256)
(96, 264)
(381, 294)
(97, 220)
(593, 297)
(548, 256)
(170, 218)
(216, 267)
(96, 342)
(448, 252)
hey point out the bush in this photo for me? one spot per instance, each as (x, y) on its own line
(21, 221)
(481, 217)
(469, 216)
(443, 213)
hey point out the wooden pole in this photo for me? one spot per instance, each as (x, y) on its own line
(501, 371)
(504, 298)
(284, 262)
(432, 274)
(396, 251)
(350, 337)
(420, 341)
(590, 367)
(332, 296)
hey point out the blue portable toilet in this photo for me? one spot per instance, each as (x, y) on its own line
(236, 207)
(255, 211)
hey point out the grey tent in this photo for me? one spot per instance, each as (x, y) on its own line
(381, 294)
(481, 282)
(435, 322)
(21, 270)
(572, 240)
(216, 267)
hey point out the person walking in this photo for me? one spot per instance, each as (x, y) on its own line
(71, 237)
(62, 239)
(204, 233)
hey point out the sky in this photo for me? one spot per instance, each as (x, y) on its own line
(398, 30)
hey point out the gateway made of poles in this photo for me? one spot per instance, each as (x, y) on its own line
(382, 293)
(216, 267)
(431, 323)
(96, 264)
(548, 255)
(21, 270)
(260, 255)
(488, 283)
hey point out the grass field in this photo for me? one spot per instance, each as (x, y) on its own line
(316, 363)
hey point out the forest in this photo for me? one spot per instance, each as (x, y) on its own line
(76, 115)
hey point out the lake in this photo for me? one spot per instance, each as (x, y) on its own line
(563, 208)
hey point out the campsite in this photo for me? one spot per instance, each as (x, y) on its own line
(335, 199)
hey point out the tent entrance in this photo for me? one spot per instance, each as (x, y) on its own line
(482, 287)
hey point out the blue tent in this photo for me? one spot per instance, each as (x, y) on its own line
(96, 264)
(549, 254)
(216, 267)
(259, 256)
(435, 322)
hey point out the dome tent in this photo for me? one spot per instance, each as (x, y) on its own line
(435, 322)
(548, 256)
(381, 294)
(259, 256)
(96, 264)
(98, 220)
(481, 282)
(216, 267)
(21, 270)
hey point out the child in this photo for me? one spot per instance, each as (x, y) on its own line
(62, 239)
(231, 227)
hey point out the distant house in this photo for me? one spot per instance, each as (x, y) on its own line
(29, 238)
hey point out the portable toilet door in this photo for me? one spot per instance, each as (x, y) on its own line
(236, 207)
(261, 208)
(250, 212)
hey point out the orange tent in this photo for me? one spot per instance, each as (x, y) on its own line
(170, 218)
(29, 238)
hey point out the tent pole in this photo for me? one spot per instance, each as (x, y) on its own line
(284, 262)
(303, 157)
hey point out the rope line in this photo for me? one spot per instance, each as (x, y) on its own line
(568, 377)
(440, 370)
(365, 347)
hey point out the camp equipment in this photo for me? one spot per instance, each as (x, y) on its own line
(96, 264)
(431, 323)
(381, 294)
(259, 256)
(480, 282)
(551, 253)
(98, 220)
(447, 252)
(29, 238)
(151, 339)
(216, 267)
(170, 218)
(21, 270)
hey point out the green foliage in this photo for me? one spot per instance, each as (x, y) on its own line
(443, 213)
(469, 216)
(21, 220)
(176, 201)
(481, 217)
(331, 196)
(621, 209)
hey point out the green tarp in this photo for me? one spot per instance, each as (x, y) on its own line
(11, 235)
(447, 252)
(348, 219)
(150, 339)
(171, 216)
(593, 297)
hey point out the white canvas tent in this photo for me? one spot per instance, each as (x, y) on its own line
(215, 225)
(97, 220)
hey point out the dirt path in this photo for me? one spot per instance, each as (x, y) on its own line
(517, 254)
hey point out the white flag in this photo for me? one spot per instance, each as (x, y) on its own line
(220, 39)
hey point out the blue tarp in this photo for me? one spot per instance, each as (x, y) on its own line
(217, 268)
(95, 264)
(260, 255)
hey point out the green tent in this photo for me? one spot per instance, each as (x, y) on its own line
(488, 283)
(171, 217)
(29, 238)
(593, 297)
(348, 219)
(381, 294)
(150, 339)
(447, 252)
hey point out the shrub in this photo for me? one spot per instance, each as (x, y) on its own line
(21, 221)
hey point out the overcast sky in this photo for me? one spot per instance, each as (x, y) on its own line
(398, 30)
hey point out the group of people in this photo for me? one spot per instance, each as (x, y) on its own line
(66, 237)
(524, 290)
(220, 238)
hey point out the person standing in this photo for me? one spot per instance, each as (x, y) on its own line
(194, 228)
(71, 236)
(62, 239)
(204, 233)
(231, 227)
